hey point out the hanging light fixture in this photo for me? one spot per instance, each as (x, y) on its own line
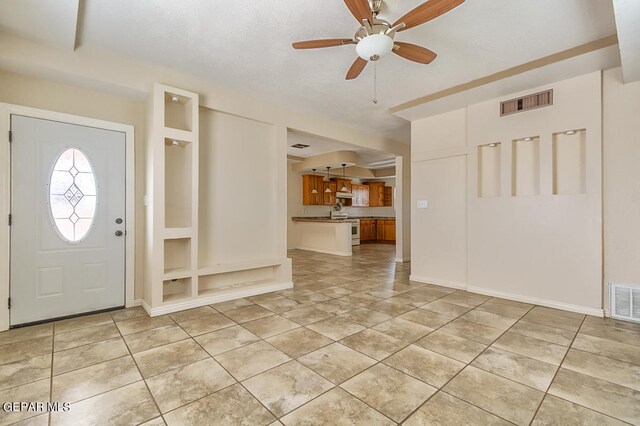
(314, 190)
(344, 184)
(328, 190)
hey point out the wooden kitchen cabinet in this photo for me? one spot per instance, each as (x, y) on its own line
(376, 194)
(368, 230)
(380, 230)
(389, 230)
(329, 197)
(377, 230)
(346, 182)
(387, 198)
(309, 182)
(360, 195)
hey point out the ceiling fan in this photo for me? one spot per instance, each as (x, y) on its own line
(375, 38)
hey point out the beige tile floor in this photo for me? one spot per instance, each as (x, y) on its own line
(355, 342)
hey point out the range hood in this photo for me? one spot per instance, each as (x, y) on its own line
(344, 195)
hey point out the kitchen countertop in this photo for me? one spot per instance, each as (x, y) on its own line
(327, 219)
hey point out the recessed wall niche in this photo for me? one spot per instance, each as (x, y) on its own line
(525, 166)
(569, 162)
(177, 195)
(177, 112)
(489, 158)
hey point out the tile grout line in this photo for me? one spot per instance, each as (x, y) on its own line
(53, 349)
(557, 371)
(236, 381)
(441, 389)
(140, 372)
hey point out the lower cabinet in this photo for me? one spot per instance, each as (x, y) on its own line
(377, 230)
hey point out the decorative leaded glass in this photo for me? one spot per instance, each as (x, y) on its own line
(72, 195)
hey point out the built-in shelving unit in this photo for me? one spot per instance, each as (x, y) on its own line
(174, 280)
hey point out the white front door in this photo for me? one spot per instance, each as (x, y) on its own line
(67, 213)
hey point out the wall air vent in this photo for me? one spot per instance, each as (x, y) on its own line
(300, 146)
(526, 103)
(625, 301)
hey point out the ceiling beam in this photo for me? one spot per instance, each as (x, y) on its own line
(627, 14)
(520, 69)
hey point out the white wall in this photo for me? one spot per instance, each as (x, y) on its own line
(621, 161)
(539, 246)
(439, 176)
(238, 203)
(542, 248)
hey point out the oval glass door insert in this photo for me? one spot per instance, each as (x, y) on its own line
(72, 195)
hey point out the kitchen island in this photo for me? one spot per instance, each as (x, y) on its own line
(324, 235)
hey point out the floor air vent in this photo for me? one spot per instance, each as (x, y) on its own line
(526, 103)
(625, 301)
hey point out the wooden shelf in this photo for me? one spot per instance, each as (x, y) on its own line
(238, 266)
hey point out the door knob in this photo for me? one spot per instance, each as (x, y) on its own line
(119, 221)
(119, 233)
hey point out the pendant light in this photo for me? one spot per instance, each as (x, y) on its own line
(314, 190)
(328, 190)
(344, 184)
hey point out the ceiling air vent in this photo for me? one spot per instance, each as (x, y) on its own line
(526, 103)
(625, 301)
(300, 146)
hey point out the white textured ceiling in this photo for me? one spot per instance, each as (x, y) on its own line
(51, 22)
(246, 45)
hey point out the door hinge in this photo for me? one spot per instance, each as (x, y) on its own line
(10, 136)
(10, 219)
(9, 303)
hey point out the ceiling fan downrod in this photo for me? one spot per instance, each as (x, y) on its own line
(376, 6)
(375, 82)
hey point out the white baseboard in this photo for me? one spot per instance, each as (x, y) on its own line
(216, 298)
(137, 302)
(439, 282)
(541, 302)
(510, 296)
(336, 253)
(403, 259)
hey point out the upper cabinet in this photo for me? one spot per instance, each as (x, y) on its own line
(312, 190)
(387, 198)
(360, 195)
(376, 194)
(370, 194)
(380, 195)
(344, 182)
(329, 196)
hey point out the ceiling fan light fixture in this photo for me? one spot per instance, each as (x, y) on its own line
(374, 47)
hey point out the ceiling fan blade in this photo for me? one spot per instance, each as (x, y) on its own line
(414, 53)
(360, 10)
(315, 44)
(356, 68)
(426, 12)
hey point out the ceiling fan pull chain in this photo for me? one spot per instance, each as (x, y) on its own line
(375, 82)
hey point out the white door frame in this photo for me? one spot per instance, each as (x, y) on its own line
(6, 110)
